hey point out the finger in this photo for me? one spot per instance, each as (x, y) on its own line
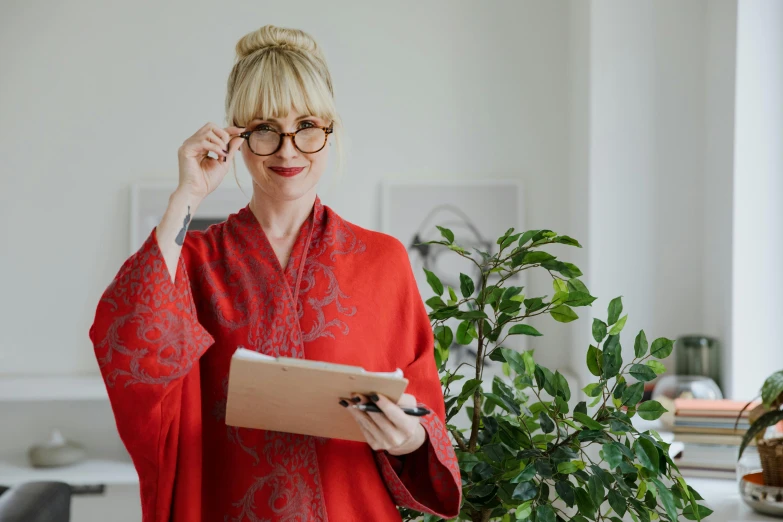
(407, 401)
(364, 425)
(211, 147)
(222, 134)
(393, 412)
(218, 140)
(389, 431)
(233, 144)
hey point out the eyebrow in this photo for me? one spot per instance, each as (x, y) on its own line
(275, 120)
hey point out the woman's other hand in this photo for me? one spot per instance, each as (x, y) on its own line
(393, 430)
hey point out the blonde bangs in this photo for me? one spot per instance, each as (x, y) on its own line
(271, 84)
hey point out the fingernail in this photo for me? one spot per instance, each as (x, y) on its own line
(344, 403)
(225, 158)
(225, 151)
(357, 399)
(374, 397)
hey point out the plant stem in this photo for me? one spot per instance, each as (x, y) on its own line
(460, 440)
(474, 429)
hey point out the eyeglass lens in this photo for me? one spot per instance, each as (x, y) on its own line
(306, 140)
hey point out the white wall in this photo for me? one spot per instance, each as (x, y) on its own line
(720, 67)
(758, 193)
(96, 95)
(638, 124)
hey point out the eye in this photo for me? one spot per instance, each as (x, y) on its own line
(307, 124)
(264, 127)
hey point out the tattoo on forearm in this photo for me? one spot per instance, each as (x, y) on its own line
(181, 236)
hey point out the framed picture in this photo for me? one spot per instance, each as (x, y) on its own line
(149, 200)
(477, 212)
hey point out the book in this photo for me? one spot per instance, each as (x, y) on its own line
(712, 408)
(703, 438)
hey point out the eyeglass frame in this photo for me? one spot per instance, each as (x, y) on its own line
(327, 131)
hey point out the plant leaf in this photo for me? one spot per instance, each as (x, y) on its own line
(619, 325)
(565, 489)
(612, 455)
(702, 513)
(563, 314)
(545, 513)
(765, 421)
(504, 403)
(527, 236)
(661, 348)
(646, 454)
(633, 394)
(547, 426)
(536, 256)
(617, 501)
(434, 282)
(565, 240)
(525, 475)
(640, 346)
(523, 511)
(772, 388)
(666, 498)
(463, 333)
(642, 372)
(447, 234)
(466, 285)
(615, 309)
(514, 359)
(567, 468)
(594, 360)
(525, 491)
(612, 357)
(596, 489)
(584, 503)
(599, 330)
(524, 329)
(587, 421)
(657, 367)
(563, 390)
(650, 410)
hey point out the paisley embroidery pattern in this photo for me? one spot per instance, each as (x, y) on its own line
(285, 488)
(442, 464)
(153, 327)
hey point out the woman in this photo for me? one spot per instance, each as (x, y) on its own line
(166, 327)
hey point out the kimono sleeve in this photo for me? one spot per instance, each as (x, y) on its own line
(147, 338)
(427, 480)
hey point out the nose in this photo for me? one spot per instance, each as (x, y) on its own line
(287, 148)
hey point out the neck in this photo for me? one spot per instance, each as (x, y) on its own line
(281, 218)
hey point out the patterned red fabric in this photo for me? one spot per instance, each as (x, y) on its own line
(347, 295)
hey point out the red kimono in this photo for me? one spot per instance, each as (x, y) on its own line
(348, 295)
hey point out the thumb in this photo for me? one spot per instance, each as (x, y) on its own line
(233, 146)
(407, 401)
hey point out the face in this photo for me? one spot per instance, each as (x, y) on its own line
(265, 171)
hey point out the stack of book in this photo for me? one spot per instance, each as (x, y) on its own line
(710, 441)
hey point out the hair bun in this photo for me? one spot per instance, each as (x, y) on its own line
(270, 36)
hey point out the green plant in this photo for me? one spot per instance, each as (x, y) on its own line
(527, 455)
(768, 413)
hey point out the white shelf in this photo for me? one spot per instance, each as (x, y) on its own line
(52, 388)
(89, 472)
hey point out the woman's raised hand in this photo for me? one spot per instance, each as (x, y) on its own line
(200, 174)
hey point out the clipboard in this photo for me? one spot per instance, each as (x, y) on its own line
(301, 395)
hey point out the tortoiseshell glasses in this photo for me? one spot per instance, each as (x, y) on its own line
(265, 141)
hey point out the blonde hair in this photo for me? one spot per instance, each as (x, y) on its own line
(277, 69)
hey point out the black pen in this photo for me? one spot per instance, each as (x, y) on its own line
(415, 412)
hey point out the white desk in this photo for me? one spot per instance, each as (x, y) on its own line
(722, 496)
